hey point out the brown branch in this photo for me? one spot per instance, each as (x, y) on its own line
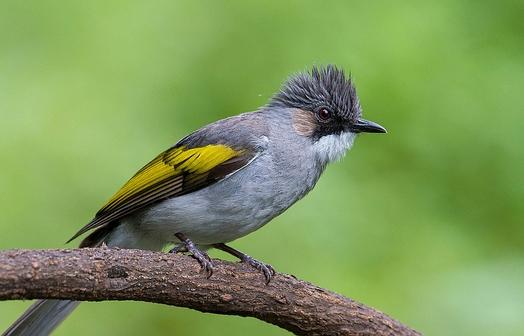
(236, 289)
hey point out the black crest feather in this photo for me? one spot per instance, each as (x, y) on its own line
(323, 86)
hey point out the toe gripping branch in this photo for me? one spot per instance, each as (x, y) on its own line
(204, 260)
(201, 256)
(266, 269)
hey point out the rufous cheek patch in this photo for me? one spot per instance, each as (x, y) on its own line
(304, 122)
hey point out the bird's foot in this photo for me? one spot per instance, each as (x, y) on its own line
(201, 256)
(180, 248)
(266, 269)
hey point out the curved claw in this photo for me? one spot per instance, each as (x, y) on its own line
(204, 261)
(201, 256)
(180, 248)
(267, 269)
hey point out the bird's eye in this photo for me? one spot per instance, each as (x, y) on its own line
(324, 115)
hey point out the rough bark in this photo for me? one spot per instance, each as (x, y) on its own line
(114, 274)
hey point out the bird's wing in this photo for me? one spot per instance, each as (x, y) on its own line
(177, 171)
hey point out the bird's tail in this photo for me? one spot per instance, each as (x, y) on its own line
(45, 315)
(41, 318)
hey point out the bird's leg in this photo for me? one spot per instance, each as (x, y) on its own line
(201, 256)
(264, 268)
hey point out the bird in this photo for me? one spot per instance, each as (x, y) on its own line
(225, 180)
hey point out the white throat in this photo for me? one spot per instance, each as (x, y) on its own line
(333, 147)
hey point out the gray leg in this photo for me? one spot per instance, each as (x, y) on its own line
(201, 256)
(264, 268)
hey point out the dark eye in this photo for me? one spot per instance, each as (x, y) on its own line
(324, 115)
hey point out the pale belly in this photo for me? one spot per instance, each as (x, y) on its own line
(208, 220)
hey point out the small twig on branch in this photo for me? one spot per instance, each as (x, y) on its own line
(234, 289)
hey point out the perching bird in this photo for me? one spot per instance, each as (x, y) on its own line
(225, 180)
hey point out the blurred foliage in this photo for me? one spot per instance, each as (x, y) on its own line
(424, 223)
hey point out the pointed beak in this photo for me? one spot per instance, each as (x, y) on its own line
(366, 126)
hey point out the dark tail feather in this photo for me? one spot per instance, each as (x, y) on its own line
(95, 238)
(45, 315)
(41, 318)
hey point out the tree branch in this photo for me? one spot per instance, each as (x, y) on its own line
(235, 289)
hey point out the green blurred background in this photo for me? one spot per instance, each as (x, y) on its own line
(424, 223)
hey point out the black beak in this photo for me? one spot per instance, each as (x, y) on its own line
(366, 126)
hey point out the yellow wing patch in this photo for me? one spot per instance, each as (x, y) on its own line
(169, 165)
(177, 171)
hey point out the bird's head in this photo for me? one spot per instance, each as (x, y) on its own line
(325, 107)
